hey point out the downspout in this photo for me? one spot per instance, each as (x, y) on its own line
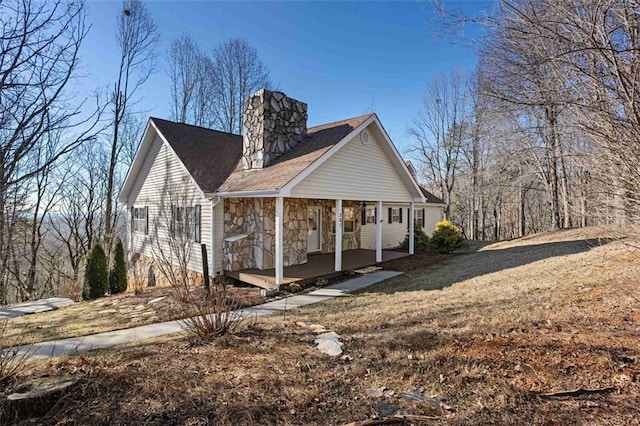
(212, 256)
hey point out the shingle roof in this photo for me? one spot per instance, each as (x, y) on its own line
(209, 155)
(214, 158)
(319, 140)
(430, 197)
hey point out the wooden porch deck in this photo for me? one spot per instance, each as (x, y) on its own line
(317, 266)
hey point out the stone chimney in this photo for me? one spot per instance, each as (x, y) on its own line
(272, 125)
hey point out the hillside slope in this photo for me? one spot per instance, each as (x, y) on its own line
(479, 338)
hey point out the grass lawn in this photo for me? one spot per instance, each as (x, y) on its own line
(107, 314)
(480, 338)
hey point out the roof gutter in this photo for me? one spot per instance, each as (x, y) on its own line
(242, 194)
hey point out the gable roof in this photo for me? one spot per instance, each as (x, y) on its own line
(319, 140)
(214, 158)
(208, 155)
(431, 199)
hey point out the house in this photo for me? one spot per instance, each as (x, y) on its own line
(282, 196)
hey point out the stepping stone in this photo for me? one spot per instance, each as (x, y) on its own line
(329, 343)
(137, 319)
(367, 270)
(157, 300)
(317, 328)
(37, 396)
(108, 311)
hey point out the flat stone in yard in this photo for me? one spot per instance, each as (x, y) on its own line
(36, 397)
(157, 300)
(385, 409)
(329, 343)
(108, 311)
(43, 305)
(317, 328)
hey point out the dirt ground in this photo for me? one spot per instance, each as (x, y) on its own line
(492, 336)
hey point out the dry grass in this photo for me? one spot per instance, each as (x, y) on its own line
(110, 313)
(485, 332)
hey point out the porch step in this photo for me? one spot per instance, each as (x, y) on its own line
(263, 282)
(368, 270)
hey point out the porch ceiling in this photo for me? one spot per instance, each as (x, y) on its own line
(317, 266)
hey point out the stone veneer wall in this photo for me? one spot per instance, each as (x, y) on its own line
(272, 125)
(256, 218)
(143, 272)
(349, 241)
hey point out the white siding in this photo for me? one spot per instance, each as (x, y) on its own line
(394, 233)
(161, 183)
(356, 172)
(432, 215)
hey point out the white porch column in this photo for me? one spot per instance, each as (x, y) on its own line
(379, 232)
(412, 222)
(279, 260)
(338, 235)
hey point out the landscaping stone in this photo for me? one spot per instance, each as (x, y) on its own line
(329, 343)
(376, 393)
(33, 307)
(137, 319)
(386, 409)
(108, 311)
(317, 328)
(36, 397)
(157, 300)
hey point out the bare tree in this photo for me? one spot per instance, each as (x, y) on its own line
(79, 222)
(137, 36)
(237, 72)
(39, 56)
(186, 62)
(438, 132)
(174, 235)
(570, 69)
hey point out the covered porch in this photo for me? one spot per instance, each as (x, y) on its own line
(317, 266)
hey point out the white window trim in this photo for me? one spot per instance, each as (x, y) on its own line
(333, 221)
(370, 214)
(395, 215)
(137, 221)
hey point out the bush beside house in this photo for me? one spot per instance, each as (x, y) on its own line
(118, 273)
(96, 277)
(447, 238)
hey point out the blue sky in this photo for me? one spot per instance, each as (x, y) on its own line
(338, 57)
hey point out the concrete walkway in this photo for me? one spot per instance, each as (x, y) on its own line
(26, 308)
(119, 337)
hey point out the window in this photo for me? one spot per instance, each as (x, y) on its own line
(419, 218)
(348, 220)
(186, 222)
(139, 220)
(395, 215)
(370, 215)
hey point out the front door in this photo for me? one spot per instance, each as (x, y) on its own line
(313, 229)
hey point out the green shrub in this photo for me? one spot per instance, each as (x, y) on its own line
(446, 238)
(420, 241)
(294, 288)
(96, 278)
(118, 273)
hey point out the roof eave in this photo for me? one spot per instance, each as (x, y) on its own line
(241, 194)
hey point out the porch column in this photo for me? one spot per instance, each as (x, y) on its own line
(338, 253)
(379, 232)
(279, 260)
(412, 223)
